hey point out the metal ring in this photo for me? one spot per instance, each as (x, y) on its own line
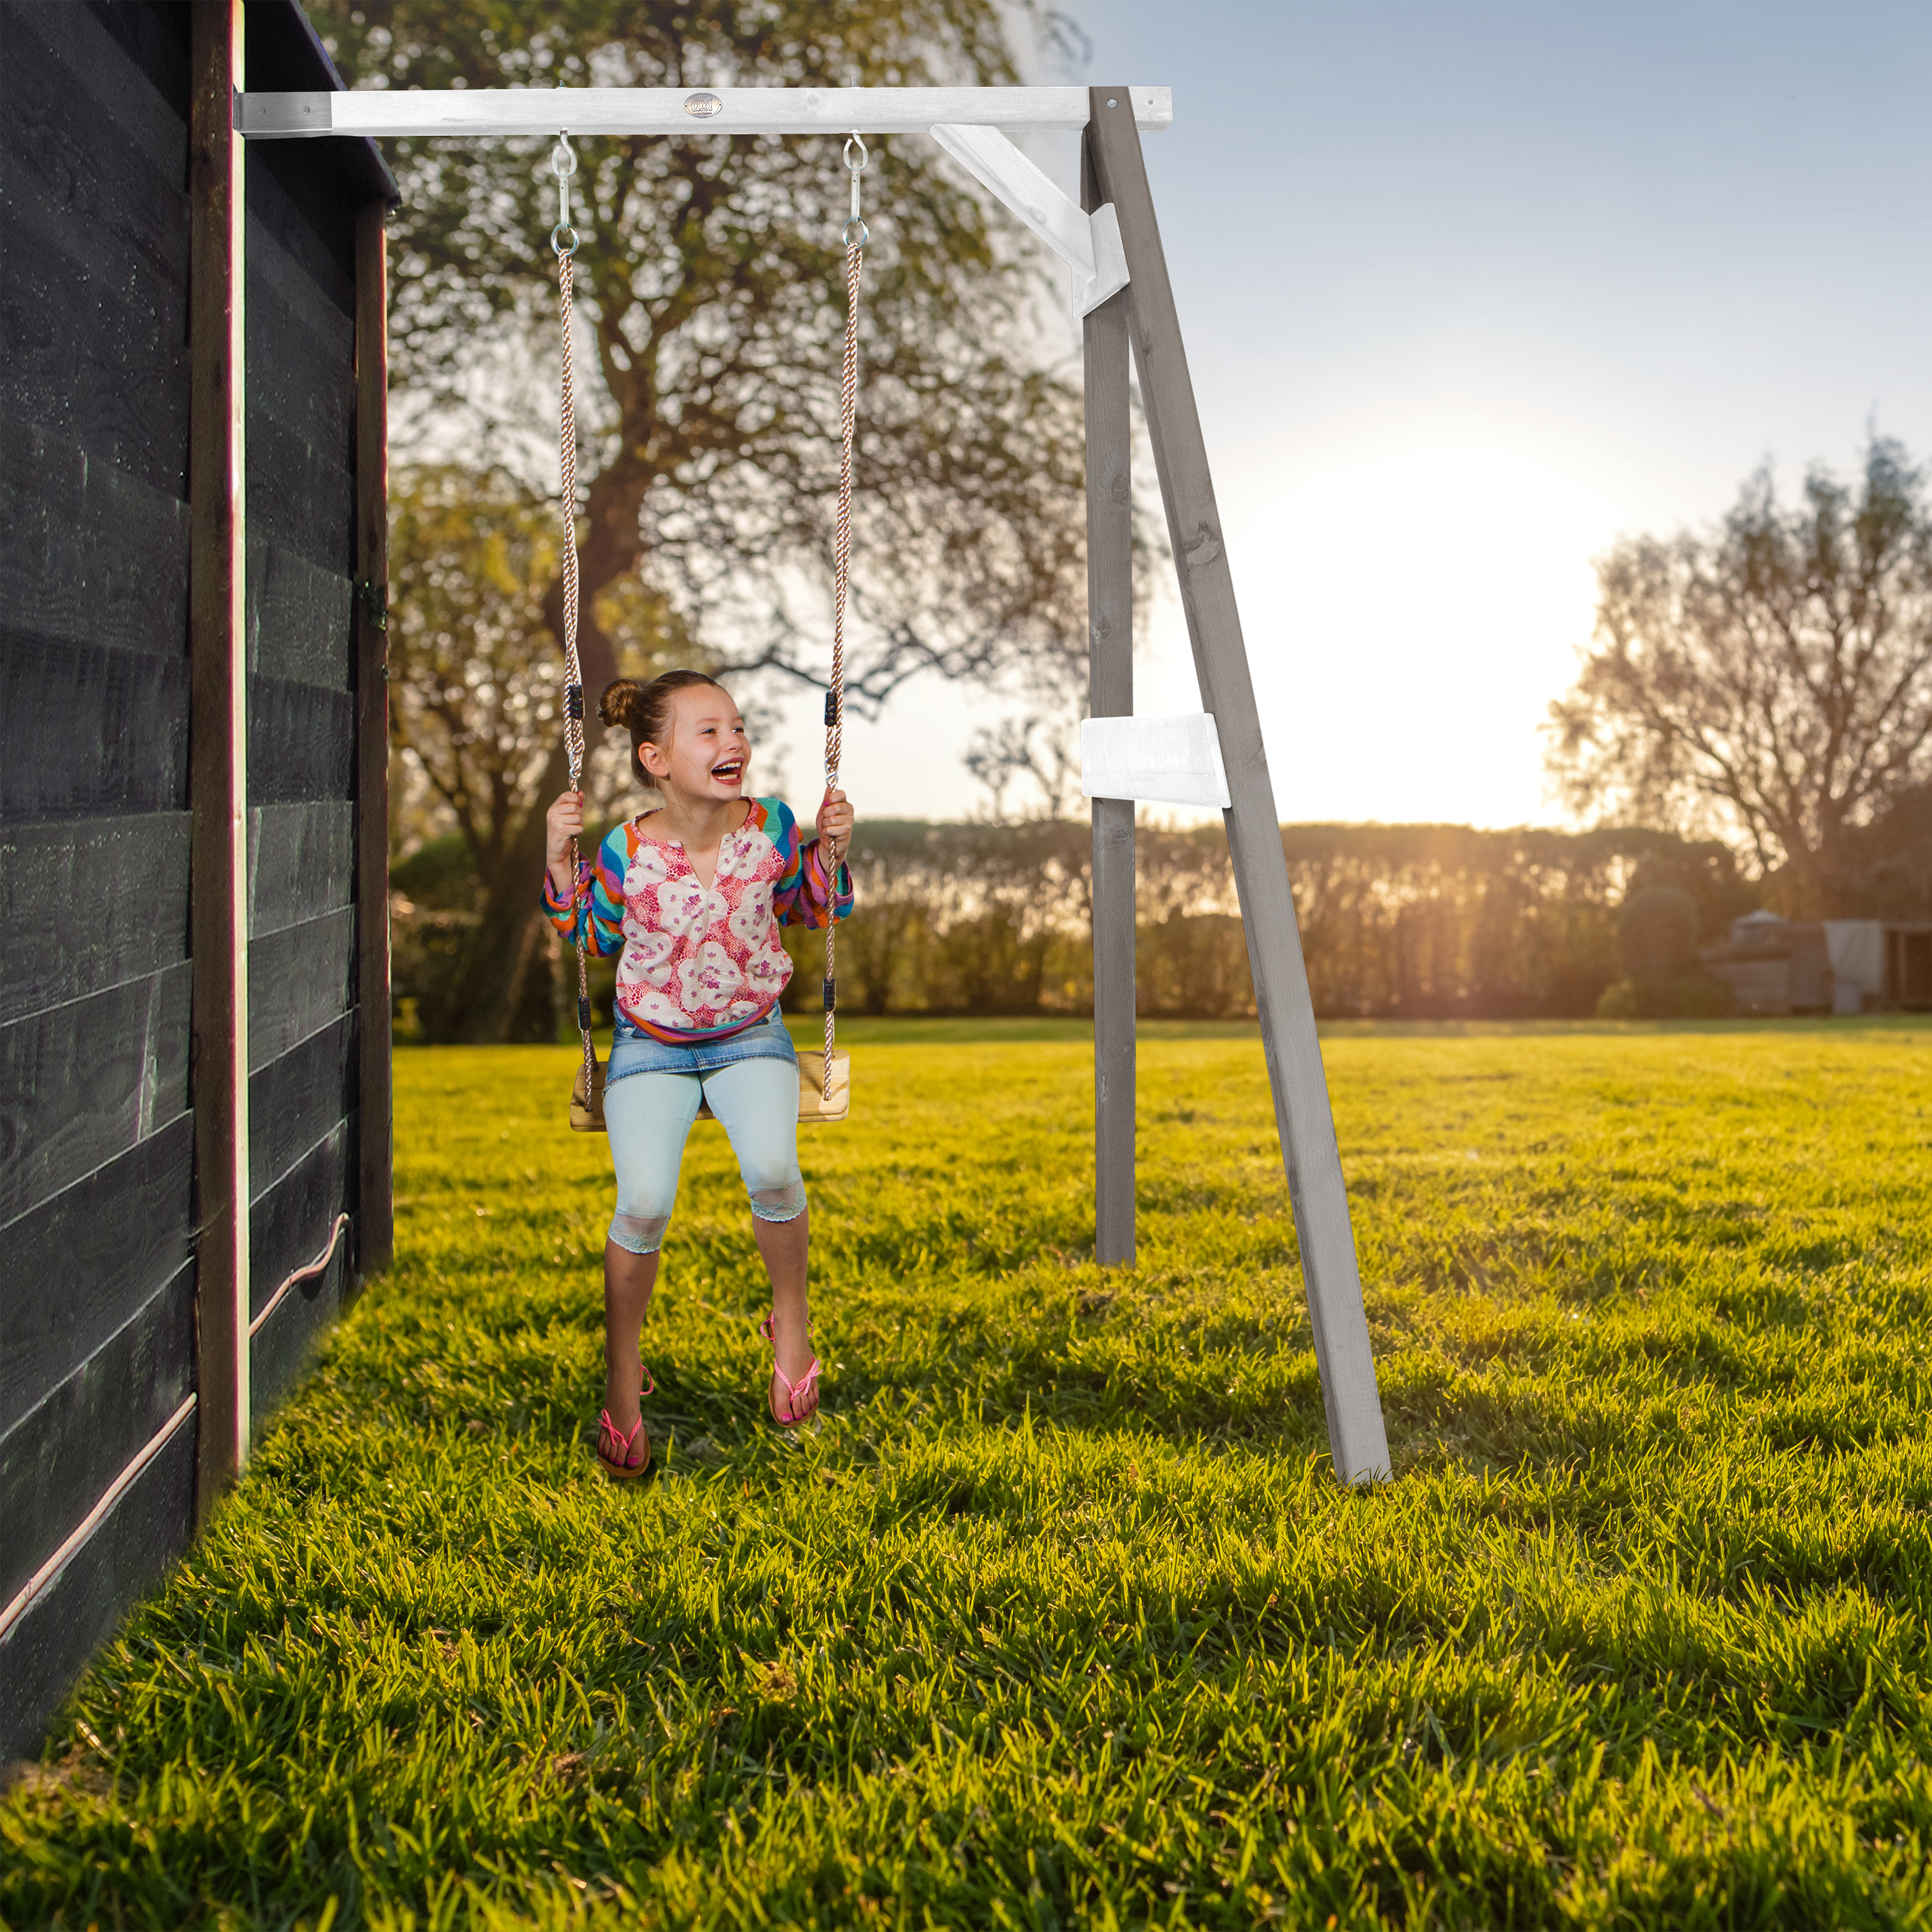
(557, 242)
(859, 166)
(864, 233)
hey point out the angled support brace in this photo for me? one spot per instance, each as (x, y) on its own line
(1342, 1350)
(1091, 244)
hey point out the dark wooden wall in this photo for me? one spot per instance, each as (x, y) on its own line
(98, 1272)
(299, 314)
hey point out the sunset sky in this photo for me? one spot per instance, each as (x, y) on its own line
(1469, 291)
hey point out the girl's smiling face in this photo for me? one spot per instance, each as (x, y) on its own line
(704, 753)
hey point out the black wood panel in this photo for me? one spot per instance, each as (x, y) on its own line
(83, 1082)
(155, 39)
(302, 862)
(88, 555)
(85, 906)
(299, 497)
(80, 1263)
(57, 1461)
(299, 979)
(121, 214)
(130, 1548)
(280, 1349)
(294, 1101)
(85, 364)
(135, 68)
(300, 618)
(130, 55)
(301, 352)
(288, 196)
(301, 741)
(288, 1226)
(86, 731)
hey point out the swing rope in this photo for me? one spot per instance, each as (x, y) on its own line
(563, 239)
(854, 237)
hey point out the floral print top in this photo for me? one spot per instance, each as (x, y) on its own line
(696, 962)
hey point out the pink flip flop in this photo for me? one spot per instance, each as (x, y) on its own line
(616, 1458)
(801, 1396)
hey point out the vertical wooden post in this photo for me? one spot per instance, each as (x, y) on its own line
(217, 749)
(1356, 1437)
(1110, 630)
(375, 1221)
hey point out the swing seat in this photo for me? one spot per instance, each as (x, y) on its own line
(586, 1110)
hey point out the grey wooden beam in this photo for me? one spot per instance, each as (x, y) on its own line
(1356, 1438)
(375, 1218)
(218, 750)
(1110, 624)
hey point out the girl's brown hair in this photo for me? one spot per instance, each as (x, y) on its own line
(644, 710)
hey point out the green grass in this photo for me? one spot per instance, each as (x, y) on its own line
(1059, 1618)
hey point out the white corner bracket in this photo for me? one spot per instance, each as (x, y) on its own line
(1091, 244)
(1154, 761)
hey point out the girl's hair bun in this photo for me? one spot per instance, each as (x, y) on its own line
(620, 704)
(644, 710)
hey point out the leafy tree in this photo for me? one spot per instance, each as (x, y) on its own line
(476, 681)
(711, 291)
(1771, 681)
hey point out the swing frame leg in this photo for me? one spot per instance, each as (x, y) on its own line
(1356, 1438)
(1110, 623)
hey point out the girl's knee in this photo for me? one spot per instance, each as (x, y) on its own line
(776, 1197)
(639, 1233)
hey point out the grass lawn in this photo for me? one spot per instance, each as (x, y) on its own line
(1059, 1617)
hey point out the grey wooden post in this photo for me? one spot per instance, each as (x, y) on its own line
(1110, 628)
(1356, 1438)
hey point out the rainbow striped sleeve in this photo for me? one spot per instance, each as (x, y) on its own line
(804, 896)
(596, 911)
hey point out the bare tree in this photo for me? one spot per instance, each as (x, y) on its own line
(711, 284)
(1771, 681)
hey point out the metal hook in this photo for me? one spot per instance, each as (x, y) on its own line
(858, 167)
(563, 165)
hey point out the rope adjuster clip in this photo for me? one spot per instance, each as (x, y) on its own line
(855, 169)
(563, 165)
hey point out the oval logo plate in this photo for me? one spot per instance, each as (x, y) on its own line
(702, 107)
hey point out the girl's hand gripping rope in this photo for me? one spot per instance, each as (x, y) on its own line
(834, 828)
(563, 825)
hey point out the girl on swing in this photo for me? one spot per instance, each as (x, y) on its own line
(690, 898)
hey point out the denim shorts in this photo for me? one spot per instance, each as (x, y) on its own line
(634, 1051)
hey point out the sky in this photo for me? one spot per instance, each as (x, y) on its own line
(1471, 290)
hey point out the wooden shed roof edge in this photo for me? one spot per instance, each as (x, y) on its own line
(285, 51)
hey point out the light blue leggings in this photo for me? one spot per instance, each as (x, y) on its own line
(649, 1115)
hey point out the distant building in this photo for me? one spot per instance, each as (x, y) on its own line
(1776, 965)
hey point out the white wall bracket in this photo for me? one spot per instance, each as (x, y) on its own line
(1154, 761)
(1090, 244)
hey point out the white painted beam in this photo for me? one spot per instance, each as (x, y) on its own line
(1091, 244)
(1154, 761)
(383, 112)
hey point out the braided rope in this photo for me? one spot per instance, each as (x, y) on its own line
(573, 670)
(848, 407)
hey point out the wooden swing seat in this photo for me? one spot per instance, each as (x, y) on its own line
(586, 1111)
